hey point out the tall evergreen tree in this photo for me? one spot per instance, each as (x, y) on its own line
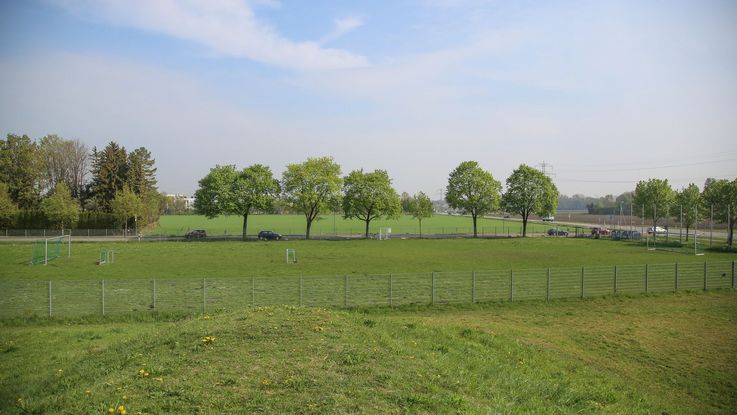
(141, 171)
(109, 174)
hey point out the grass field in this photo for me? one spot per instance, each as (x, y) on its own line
(332, 225)
(653, 354)
(244, 259)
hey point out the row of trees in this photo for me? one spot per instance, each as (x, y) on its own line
(316, 186)
(61, 178)
(657, 200)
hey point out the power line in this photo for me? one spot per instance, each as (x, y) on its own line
(698, 163)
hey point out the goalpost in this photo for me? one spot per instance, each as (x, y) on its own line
(107, 256)
(291, 256)
(385, 233)
(49, 249)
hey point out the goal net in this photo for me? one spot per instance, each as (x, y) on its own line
(45, 250)
(291, 256)
(385, 233)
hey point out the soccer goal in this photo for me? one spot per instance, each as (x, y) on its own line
(107, 256)
(694, 246)
(45, 250)
(385, 233)
(291, 256)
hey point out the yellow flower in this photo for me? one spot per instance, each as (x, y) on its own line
(125, 397)
(159, 379)
(146, 374)
(121, 410)
(111, 410)
(88, 392)
(141, 371)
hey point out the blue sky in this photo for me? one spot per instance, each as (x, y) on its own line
(608, 93)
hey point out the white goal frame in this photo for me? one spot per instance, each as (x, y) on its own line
(384, 233)
(291, 256)
(46, 247)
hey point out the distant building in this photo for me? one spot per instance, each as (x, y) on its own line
(179, 203)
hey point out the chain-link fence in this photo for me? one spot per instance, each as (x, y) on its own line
(70, 298)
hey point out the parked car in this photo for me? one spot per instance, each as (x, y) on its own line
(269, 236)
(598, 230)
(658, 230)
(557, 232)
(548, 218)
(196, 234)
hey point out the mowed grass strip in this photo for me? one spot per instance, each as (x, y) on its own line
(656, 354)
(330, 225)
(245, 259)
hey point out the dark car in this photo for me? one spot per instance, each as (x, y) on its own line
(196, 234)
(557, 232)
(269, 236)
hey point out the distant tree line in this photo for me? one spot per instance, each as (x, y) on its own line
(58, 183)
(316, 186)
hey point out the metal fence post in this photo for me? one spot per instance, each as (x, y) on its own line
(253, 292)
(583, 273)
(705, 276)
(300, 291)
(204, 296)
(616, 272)
(473, 287)
(646, 277)
(345, 291)
(433, 287)
(103, 297)
(733, 286)
(547, 291)
(154, 294)
(49, 298)
(391, 288)
(511, 285)
(675, 288)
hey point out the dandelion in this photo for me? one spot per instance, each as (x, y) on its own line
(125, 397)
(141, 371)
(206, 317)
(266, 382)
(88, 392)
(111, 410)
(159, 379)
(208, 340)
(145, 374)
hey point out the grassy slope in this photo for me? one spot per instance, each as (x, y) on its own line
(242, 259)
(328, 225)
(669, 354)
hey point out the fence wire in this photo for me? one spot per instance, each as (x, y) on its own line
(73, 298)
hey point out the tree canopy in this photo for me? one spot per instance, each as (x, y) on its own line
(690, 206)
(8, 209)
(126, 205)
(529, 191)
(721, 195)
(473, 190)
(226, 191)
(312, 187)
(21, 169)
(61, 208)
(420, 207)
(367, 196)
(655, 197)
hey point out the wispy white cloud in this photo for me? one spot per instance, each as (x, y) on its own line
(227, 27)
(341, 27)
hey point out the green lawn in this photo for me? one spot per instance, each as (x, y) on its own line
(331, 225)
(245, 259)
(643, 355)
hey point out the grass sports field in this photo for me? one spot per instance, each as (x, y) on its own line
(331, 225)
(662, 353)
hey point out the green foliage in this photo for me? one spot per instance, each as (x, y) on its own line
(109, 174)
(368, 196)
(8, 209)
(61, 209)
(21, 169)
(141, 175)
(97, 220)
(312, 187)
(690, 206)
(722, 196)
(656, 197)
(420, 207)
(226, 191)
(473, 190)
(127, 205)
(529, 191)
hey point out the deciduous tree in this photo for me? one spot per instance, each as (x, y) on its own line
(473, 190)
(8, 209)
(690, 205)
(722, 196)
(226, 191)
(530, 191)
(656, 197)
(21, 169)
(126, 205)
(420, 207)
(312, 187)
(60, 208)
(367, 196)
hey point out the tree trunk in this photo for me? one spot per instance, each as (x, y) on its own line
(420, 220)
(245, 225)
(730, 235)
(525, 216)
(687, 234)
(366, 234)
(309, 225)
(474, 216)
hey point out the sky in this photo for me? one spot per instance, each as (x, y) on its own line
(602, 93)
